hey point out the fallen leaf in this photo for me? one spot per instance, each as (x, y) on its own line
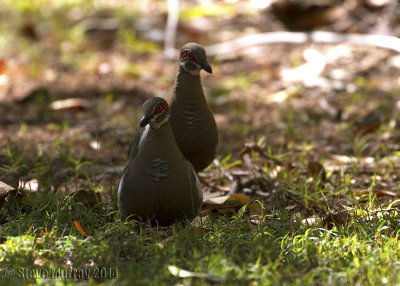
(71, 104)
(216, 200)
(291, 207)
(238, 199)
(39, 262)
(231, 203)
(9, 177)
(378, 193)
(5, 189)
(3, 66)
(369, 123)
(337, 219)
(316, 168)
(79, 228)
(181, 273)
(310, 221)
(375, 4)
(32, 185)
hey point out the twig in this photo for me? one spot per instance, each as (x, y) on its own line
(381, 41)
(251, 146)
(170, 29)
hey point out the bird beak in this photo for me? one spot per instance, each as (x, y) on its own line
(144, 121)
(205, 66)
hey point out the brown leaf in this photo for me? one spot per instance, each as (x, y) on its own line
(238, 199)
(370, 123)
(79, 228)
(230, 204)
(71, 104)
(3, 66)
(316, 168)
(337, 219)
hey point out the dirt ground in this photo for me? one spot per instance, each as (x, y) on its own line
(302, 104)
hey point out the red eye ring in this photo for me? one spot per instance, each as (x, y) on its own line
(160, 108)
(188, 55)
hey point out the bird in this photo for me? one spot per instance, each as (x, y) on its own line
(191, 120)
(158, 184)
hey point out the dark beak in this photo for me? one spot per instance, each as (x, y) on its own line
(144, 121)
(205, 66)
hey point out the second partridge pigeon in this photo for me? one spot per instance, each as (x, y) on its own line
(158, 184)
(191, 120)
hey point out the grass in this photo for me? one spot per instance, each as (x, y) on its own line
(274, 247)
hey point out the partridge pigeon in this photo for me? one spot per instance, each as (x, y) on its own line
(191, 120)
(158, 184)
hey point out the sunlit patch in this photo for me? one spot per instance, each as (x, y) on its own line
(95, 145)
(4, 79)
(309, 71)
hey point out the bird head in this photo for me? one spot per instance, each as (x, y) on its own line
(156, 112)
(193, 59)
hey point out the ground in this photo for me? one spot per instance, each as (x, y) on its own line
(305, 185)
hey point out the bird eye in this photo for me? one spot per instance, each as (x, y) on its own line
(159, 108)
(188, 55)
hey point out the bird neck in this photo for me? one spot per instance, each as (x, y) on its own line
(157, 152)
(188, 87)
(156, 140)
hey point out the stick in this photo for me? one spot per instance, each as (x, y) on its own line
(170, 29)
(381, 41)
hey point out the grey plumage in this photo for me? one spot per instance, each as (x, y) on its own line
(158, 184)
(191, 120)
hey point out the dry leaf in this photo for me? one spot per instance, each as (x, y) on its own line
(337, 219)
(32, 185)
(39, 262)
(378, 193)
(9, 177)
(79, 228)
(238, 199)
(71, 104)
(5, 189)
(316, 168)
(370, 123)
(229, 204)
(3, 66)
(181, 273)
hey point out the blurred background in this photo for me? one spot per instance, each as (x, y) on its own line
(74, 73)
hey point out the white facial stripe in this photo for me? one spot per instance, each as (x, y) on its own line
(156, 125)
(146, 129)
(192, 72)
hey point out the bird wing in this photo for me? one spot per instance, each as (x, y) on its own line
(134, 145)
